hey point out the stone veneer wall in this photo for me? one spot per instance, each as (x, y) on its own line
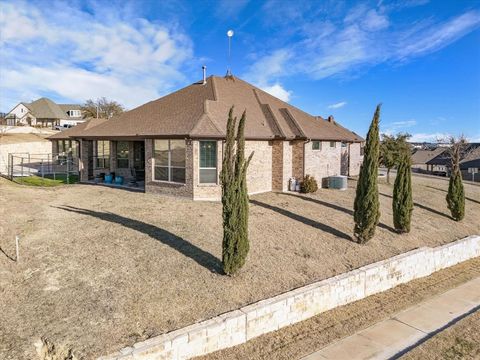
(268, 315)
(259, 173)
(355, 159)
(166, 188)
(324, 162)
(287, 164)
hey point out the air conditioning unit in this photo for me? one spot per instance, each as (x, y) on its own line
(338, 182)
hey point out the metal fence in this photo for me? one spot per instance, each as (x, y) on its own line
(42, 165)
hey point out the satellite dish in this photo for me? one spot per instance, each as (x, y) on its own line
(230, 33)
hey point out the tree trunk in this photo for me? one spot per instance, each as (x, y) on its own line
(388, 176)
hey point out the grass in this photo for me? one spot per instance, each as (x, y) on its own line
(47, 180)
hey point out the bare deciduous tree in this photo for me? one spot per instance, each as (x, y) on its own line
(102, 108)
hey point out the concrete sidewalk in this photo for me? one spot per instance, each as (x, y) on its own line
(407, 329)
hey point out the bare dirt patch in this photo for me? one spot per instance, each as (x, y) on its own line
(103, 268)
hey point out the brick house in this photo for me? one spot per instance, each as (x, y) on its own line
(176, 142)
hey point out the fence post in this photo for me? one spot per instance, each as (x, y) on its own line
(29, 164)
(10, 166)
(68, 177)
(41, 167)
(21, 166)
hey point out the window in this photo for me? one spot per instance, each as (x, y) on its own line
(316, 145)
(208, 162)
(103, 154)
(362, 149)
(74, 113)
(122, 154)
(67, 148)
(169, 156)
(344, 144)
(333, 144)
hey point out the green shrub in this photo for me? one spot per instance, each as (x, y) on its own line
(308, 185)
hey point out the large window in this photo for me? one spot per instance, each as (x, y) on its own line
(103, 154)
(208, 162)
(169, 158)
(67, 149)
(122, 154)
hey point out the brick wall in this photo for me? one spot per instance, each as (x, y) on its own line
(324, 162)
(297, 159)
(277, 165)
(159, 187)
(268, 315)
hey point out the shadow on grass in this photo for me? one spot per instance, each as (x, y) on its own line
(445, 191)
(8, 256)
(198, 255)
(415, 204)
(336, 207)
(304, 220)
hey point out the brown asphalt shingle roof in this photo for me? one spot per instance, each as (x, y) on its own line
(423, 156)
(77, 130)
(200, 111)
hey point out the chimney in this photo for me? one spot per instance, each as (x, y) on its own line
(204, 68)
(331, 119)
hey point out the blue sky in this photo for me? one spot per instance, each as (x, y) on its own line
(420, 58)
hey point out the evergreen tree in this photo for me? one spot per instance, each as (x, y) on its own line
(402, 194)
(366, 206)
(235, 197)
(456, 194)
(391, 151)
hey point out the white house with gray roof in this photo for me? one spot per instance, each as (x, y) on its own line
(44, 113)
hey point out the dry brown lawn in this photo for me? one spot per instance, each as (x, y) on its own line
(103, 268)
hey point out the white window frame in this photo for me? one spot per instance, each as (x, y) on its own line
(208, 168)
(169, 166)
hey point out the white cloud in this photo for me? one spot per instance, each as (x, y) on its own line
(278, 91)
(80, 55)
(429, 137)
(362, 38)
(337, 105)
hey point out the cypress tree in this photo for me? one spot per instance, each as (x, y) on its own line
(366, 206)
(234, 197)
(456, 194)
(402, 195)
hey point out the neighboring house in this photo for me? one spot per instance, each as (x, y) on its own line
(44, 113)
(470, 165)
(426, 160)
(176, 142)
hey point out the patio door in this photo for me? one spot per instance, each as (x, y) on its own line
(139, 159)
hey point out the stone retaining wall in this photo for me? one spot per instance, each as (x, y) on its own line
(268, 315)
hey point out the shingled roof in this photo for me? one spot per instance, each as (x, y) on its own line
(424, 156)
(200, 111)
(76, 131)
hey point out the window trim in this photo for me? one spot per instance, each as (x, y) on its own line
(169, 164)
(208, 168)
(319, 145)
(106, 159)
(127, 158)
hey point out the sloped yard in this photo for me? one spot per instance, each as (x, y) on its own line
(102, 268)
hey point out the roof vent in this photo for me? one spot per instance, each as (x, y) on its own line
(204, 68)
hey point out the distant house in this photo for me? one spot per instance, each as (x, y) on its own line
(429, 161)
(44, 113)
(175, 144)
(470, 165)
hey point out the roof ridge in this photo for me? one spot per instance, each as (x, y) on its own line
(294, 121)
(269, 109)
